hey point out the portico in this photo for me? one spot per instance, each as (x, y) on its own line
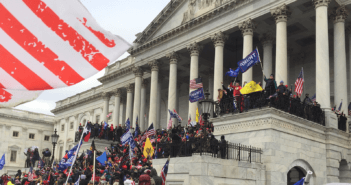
(192, 39)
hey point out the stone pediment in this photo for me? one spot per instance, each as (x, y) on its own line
(343, 2)
(178, 17)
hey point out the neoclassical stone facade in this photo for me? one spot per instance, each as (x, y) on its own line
(204, 38)
(20, 130)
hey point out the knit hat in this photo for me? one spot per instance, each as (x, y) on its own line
(282, 81)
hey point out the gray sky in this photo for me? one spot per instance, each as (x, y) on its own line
(122, 17)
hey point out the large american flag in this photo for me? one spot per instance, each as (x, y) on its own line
(196, 83)
(50, 44)
(299, 83)
(164, 172)
(151, 130)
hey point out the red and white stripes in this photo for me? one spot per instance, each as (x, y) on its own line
(48, 44)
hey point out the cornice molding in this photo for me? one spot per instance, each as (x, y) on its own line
(25, 119)
(210, 15)
(76, 103)
(117, 74)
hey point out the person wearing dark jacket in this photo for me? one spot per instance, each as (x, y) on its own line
(46, 157)
(157, 179)
(35, 157)
(281, 90)
(223, 147)
(271, 85)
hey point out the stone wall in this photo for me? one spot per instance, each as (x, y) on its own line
(288, 141)
(205, 170)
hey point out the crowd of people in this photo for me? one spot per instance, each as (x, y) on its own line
(123, 165)
(231, 100)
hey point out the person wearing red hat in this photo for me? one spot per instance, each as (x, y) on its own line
(145, 178)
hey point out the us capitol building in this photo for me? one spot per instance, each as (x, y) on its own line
(204, 38)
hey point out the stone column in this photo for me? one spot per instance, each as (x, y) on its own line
(77, 123)
(322, 61)
(106, 98)
(129, 103)
(211, 87)
(247, 28)
(143, 106)
(267, 42)
(172, 86)
(121, 112)
(137, 94)
(116, 114)
(218, 40)
(159, 98)
(340, 76)
(194, 50)
(91, 112)
(322, 54)
(153, 92)
(280, 15)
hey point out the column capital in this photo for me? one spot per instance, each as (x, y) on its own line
(138, 72)
(318, 3)
(144, 83)
(267, 39)
(154, 64)
(194, 49)
(130, 88)
(118, 92)
(219, 39)
(76, 116)
(281, 13)
(247, 27)
(106, 95)
(339, 14)
(173, 57)
(91, 112)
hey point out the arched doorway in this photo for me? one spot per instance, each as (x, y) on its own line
(295, 174)
(344, 172)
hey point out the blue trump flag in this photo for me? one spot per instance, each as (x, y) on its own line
(2, 162)
(249, 61)
(126, 137)
(127, 125)
(102, 158)
(136, 129)
(196, 95)
(233, 73)
(300, 182)
(105, 125)
(70, 157)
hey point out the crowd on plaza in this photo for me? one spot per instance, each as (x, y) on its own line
(123, 165)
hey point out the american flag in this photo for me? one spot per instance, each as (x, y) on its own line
(339, 109)
(169, 126)
(314, 97)
(196, 83)
(50, 44)
(299, 83)
(164, 172)
(150, 131)
(108, 115)
(178, 117)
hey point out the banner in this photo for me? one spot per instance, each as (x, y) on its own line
(196, 95)
(252, 59)
(126, 137)
(251, 87)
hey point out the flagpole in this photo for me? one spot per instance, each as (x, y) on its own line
(303, 85)
(260, 60)
(75, 156)
(94, 167)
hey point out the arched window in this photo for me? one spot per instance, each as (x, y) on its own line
(295, 174)
(344, 172)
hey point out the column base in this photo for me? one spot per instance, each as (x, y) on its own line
(331, 119)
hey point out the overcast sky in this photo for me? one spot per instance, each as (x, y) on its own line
(122, 17)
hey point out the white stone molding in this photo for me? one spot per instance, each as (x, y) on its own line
(302, 164)
(247, 27)
(130, 88)
(116, 74)
(118, 92)
(154, 65)
(173, 57)
(318, 3)
(339, 14)
(219, 39)
(138, 72)
(144, 44)
(194, 49)
(40, 131)
(14, 147)
(8, 116)
(281, 13)
(105, 95)
(267, 39)
(8, 127)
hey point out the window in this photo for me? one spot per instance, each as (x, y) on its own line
(71, 125)
(13, 156)
(46, 138)
(62, 128)
(31, 136)
(15, 134)
(97, 118)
